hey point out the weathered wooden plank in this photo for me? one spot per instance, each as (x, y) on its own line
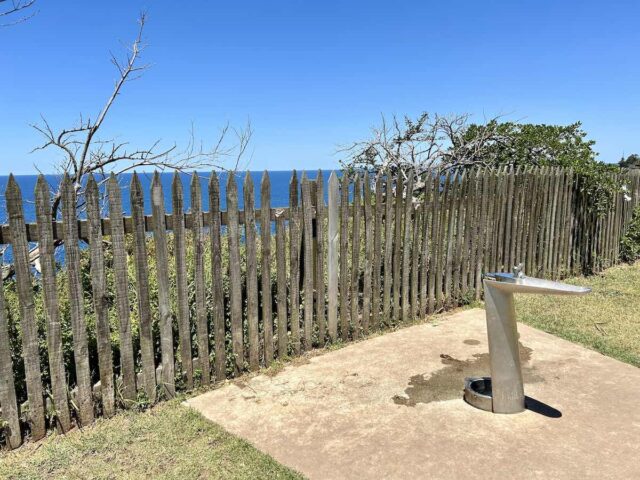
(344, 248)
(433, 241)
(252, 273)
(388, 248)
(502, 206)
(492, 227)
(182, 299)
(397, 247)
(483, 207)
(356, 243)
(100, 306)
(532, 207)
(167, 381)
(451, 207)
(142, 286)
(376, 274)
(281, 294)
(368, 254)
(569, 223)
(552, 222)
(294, 262)
(320, 252)
(509, 244)
(84, 399)
(24, 287)
(425, 250)
(547, 211)
(202, 324)
(308, 273)
(524, 192)
(121, 281)
(333, 243)
(470, 234)
(440, 255)
(54, 331)
(218, 314)
(416, 246)
(407, 247)
(235, 288)
(473, 233)
(9, 412)
(265, 267)
(459, 237)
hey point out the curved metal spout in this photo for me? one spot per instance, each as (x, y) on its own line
(514, 283)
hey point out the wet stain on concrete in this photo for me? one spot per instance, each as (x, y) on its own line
(448, 382)
(471, 341)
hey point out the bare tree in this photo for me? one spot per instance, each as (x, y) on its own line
(83, 152)
(13, 12)
(415, 145)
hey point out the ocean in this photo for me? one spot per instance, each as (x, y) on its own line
(279, 189)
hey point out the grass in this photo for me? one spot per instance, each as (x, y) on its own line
(167, 441)
(607, 320)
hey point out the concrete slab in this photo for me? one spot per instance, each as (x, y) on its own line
(391, 407)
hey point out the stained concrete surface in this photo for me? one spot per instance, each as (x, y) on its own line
(391, 407)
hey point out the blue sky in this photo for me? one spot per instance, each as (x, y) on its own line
(314, 75)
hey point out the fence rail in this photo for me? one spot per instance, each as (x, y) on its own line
(380, 252)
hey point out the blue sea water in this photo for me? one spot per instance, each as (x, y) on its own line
(279, 189)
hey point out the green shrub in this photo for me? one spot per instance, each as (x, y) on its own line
(630, 243)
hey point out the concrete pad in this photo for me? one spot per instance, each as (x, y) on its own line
(391, 407)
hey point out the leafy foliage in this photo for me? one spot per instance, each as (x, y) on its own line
(449, 142)
(630, 243)
(632, 161)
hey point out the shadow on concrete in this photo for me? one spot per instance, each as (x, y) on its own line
(541, 408)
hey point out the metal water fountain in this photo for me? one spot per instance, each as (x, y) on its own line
(503, 392)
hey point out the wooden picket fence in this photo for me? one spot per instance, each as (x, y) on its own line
(380, 252)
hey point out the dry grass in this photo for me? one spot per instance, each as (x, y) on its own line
(607, 320)
(168, 441)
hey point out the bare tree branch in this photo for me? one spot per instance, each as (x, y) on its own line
(84, 153)
(16, 11)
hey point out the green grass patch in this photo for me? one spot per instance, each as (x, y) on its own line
(167, 441)
(607, 320)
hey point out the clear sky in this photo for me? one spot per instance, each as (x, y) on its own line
(314, 75)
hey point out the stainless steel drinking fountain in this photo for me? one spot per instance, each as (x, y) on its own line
(503, 392)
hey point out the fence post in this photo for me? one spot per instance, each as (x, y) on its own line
(54, 330)
(235, 289)
(182, 299)
(202, 326)
(265, 274)
(10, 413)
(251, 273)
(216, 278)
(100, 307)
(332, 255)
(368, 260)
(121, 280)
(344, 247)
(355, 258)
(281, 271)
(307, 224)
(76, 303)
(162, 275)
(320, 286)
(294, 262)
(142, 281)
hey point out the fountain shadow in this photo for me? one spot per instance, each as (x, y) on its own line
(541, 408)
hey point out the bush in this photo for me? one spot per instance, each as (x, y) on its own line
(630, 243)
